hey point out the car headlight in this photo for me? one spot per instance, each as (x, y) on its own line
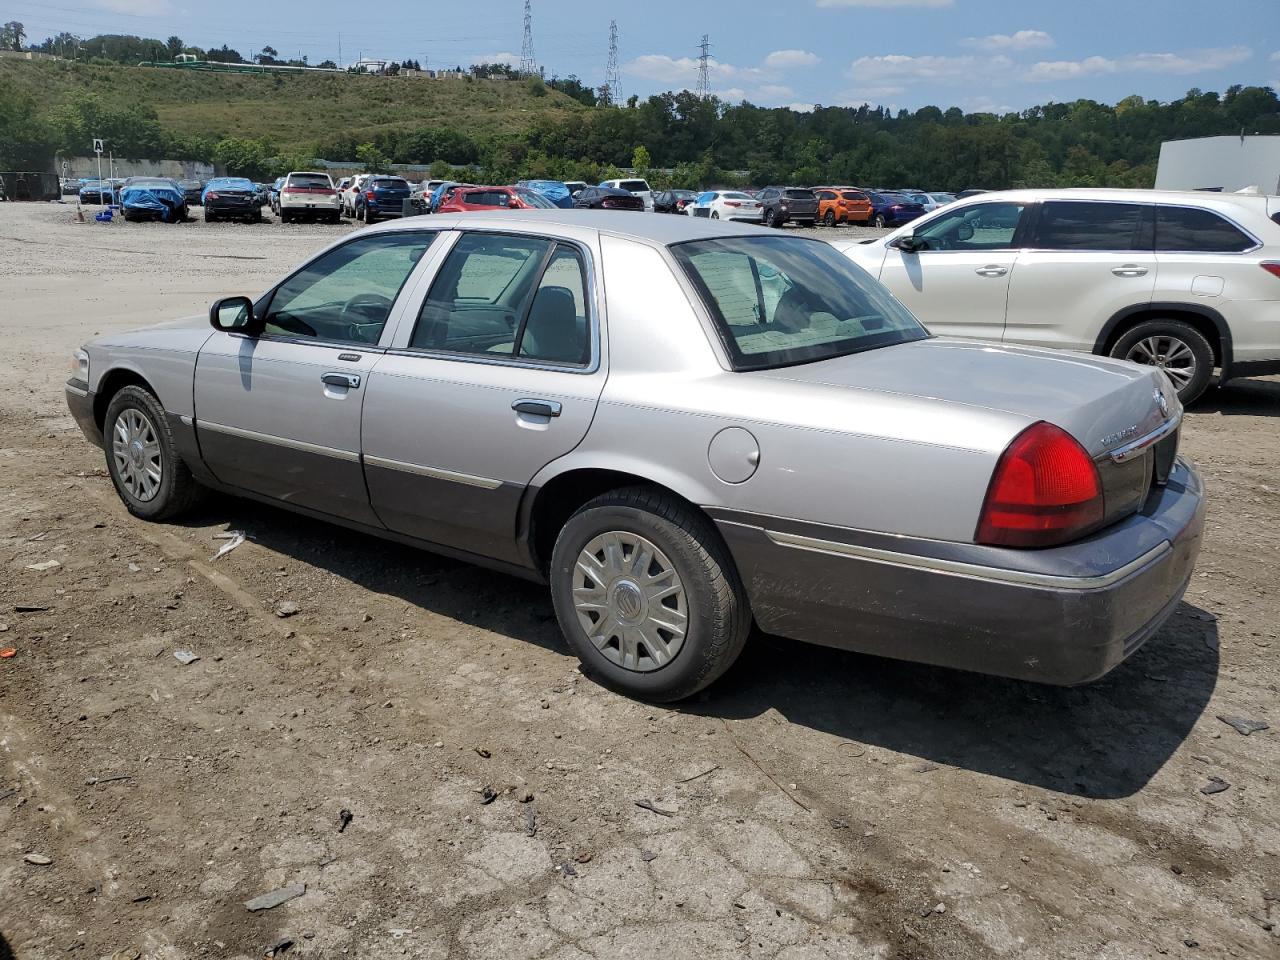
(80, 365)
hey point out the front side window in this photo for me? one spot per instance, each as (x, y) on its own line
(500, 295)
(1081, 225)
(347, 294)
(778, 301)
(982, 226)
(1192, 230)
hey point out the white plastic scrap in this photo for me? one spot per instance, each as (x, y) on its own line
(233, 537)
(185, 657)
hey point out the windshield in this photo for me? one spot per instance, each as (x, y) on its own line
(780, 300)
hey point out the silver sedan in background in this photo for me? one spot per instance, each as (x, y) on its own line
(684, 427)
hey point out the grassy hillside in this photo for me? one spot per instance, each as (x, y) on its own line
(294, 111)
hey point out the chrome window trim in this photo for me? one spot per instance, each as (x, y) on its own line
(420, 470)
(968, 570)
(289, 442)
(1134, 448)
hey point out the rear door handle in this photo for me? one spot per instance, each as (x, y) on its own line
(349, 380)
(992, 270)
(1129, 270)
(537, 408)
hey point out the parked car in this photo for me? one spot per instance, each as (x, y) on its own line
(439, 194)
(573, 186)
(425, 188)
(837, 205)
(1186, 282)
(554, 191)
(942, 199)
(382, 198)
(633, 185)
(725, 205)
(784, 204)
(607, 198)
(673, 201)
(95, 191)
(966, 194)
(471, 199)
(153, 198)
(353, 190)
(273, 195)
(1014, 514)
(191, 191)
(891, 210)
(310, 195)
(69, 186)
(230, 198)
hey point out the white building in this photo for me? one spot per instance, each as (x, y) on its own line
(1220, 163)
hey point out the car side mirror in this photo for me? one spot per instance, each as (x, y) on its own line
(234, 315)
(910, 244)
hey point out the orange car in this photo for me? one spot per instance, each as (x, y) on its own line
(842, 205)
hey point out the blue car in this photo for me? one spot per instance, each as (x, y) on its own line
(382, 198)
(95, 191)
(891, 210)
(153, 198)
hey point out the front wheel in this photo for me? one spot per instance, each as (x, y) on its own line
(879, 221)
(149, 474)
(1177, 348)
(647, 596)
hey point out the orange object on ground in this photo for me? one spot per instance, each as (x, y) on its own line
(8, 653)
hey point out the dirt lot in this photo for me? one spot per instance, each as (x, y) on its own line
(821, 804)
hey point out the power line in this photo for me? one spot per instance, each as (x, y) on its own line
(611, 79)
(528, 63)
(704, 67)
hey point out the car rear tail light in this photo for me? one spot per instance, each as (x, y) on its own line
(1271, 266)
(732, 203)
(368, 195)
(211, 195)
(1045, 491)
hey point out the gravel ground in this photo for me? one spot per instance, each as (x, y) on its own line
(813, 804)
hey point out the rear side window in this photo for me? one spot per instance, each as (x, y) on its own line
(634, 186)
(1188, 229)
(1077, 225)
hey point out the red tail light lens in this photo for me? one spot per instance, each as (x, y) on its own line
(1045, 491)
(732, 203)
(1272, 267)
(211, 195)
(368, 195)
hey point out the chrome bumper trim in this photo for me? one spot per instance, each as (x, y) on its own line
(970, 570)
(1136, 447)
(76, 391)
(434, 472)
(289, 442)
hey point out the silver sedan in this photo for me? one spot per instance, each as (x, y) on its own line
(684, 427)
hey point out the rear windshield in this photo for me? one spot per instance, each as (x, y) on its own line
(487, 198)
(737, 196)
(391, 183)
(853, 195)
(634, 186)
(778, 301)
(309, 180)
(800, 194)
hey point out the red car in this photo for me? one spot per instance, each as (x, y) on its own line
(469, 199)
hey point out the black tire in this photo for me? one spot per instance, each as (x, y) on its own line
(878, 223)
(210, 217)
(830, 219)
(715, 215)
(286, 216)
(178, 490)
(1174, 332)
(719, 617)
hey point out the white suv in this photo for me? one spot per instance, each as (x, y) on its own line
(309, 194)
(639, 187)
(1185, 281)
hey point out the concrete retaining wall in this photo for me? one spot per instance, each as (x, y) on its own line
(77, 167)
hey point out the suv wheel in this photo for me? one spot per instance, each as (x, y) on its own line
(149, 475)
(647, 596)
(830, 219)
(879, 221)
(1177, 348)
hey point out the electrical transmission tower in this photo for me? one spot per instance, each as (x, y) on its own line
(528, 63)
(611, 80)
(704, 67)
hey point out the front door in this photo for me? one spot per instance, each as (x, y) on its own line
(498, 375)
(958, 285)
(279, 414)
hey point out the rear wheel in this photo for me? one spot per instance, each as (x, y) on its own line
(830, 219)
(1177, 348)
(149, 475)
(879, 221)
(715, 215)
(647, 595)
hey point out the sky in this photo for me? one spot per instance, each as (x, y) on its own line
(993, 55)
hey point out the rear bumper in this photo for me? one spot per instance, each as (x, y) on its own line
(1062, 616)
(317, 205)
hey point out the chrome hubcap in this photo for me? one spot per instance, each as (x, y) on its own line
(1170, 354)
(135, 447)
(630, 601)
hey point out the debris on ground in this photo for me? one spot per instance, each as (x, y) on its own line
(233, 537)
(279, 947)
(29, 608)
(1243, 725)
(185, 657)
(345, 817)
(128, 953)
(37, 859)
(699, 776)
(286, 608)
(95, 781)
(530, 821)
(567, 869)
(648, 805)
(483, 752)
(44, 565)
(488, 794)
(1215, 785)
(8, 653)
(648, 856)
(276, 897)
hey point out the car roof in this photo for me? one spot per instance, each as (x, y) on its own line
(1252, 201)
(651, 229)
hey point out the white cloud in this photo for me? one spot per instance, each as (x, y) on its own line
(775, 91)
(894, 70)
(1275, 57)
(1171, 63)
(732, 95)
(885, 3)
(782, 59)
(684, 70)
(1022, 40)
(510, 59)
(801, 107)
(138, 8)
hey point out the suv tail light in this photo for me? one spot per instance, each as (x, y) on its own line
(368, 195)
(1272, 266)
(211, 195)
(1045, 491)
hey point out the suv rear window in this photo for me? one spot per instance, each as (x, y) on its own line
(1087, 225)
(1189, 229)
(309, 180)
(800, 194)
(391, 183)
(634, 186)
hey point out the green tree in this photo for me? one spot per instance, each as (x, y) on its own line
(641, 161)
(373, 159)
(175, 46)
(440, 170)
(11, 35)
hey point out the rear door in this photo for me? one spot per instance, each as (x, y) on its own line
(959, 285)
(1087, 261)
(279, 414)
(494, 372)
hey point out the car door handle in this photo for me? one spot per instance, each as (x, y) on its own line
(349, 380)
(537, 408)
(1129, 270)
(992, 270)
